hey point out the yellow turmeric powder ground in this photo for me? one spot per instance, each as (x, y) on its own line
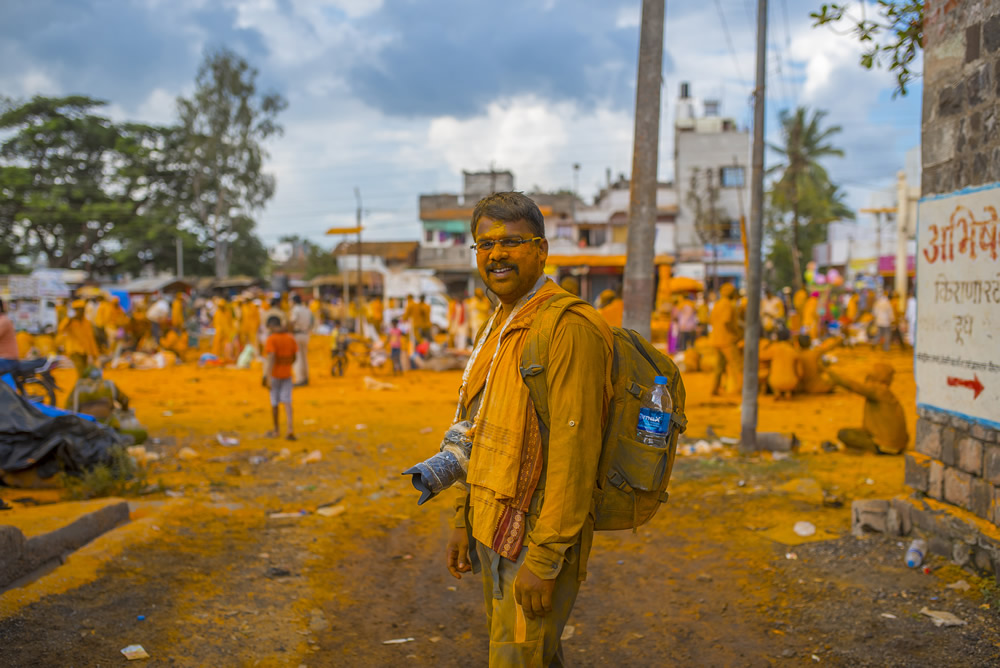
(365, 439)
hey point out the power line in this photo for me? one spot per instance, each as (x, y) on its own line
(729, 40)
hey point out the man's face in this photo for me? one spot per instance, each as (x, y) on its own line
(510, 272)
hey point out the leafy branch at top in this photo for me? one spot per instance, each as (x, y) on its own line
(893, 39)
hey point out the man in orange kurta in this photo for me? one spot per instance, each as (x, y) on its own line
(78, 336)
(528, 513)
(724, 335)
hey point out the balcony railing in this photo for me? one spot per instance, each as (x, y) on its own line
(452, 257)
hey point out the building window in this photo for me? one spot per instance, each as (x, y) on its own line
(731, 177)
(429, 236)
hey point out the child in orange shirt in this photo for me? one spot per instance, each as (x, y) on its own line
(280, 350)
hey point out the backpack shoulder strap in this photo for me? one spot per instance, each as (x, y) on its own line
(535, 356)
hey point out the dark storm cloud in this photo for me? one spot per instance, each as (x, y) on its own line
(120, 51)
(455, 56)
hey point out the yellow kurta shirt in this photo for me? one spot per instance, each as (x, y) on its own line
(78, 337)
(579, 357)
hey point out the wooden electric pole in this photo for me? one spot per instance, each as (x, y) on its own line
(751, 335)
(637, 293)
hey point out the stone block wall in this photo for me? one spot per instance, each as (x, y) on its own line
(958, 462)
(961, 103)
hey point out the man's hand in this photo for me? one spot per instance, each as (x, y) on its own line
(458, 553)
(532, 593)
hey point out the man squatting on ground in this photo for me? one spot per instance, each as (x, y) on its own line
(528, 512)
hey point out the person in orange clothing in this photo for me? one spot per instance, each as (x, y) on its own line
(799, 300)
(810, 316)
(222, 323)
(478, 308)
(177, 311)
(421, 319)
(883, 428)
(786, 366)
(24, 340)
(45, 343)
(250, 325)
(280, 350)
(724, 336)
(811, 380)
(78, 337)
(611, 307)
(533, 544)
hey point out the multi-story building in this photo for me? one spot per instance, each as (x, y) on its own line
(711, 158)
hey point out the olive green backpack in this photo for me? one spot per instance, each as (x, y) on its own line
(632, 477)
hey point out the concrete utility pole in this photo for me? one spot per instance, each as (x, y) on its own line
(637, 294)
(751, 334)
(902, 206)
(357, 195)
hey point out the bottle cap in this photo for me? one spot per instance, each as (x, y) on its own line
(661, 380)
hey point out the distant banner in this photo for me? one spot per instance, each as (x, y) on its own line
(958, 303)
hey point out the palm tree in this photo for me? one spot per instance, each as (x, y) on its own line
(804, 183)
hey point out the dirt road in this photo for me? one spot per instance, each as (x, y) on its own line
(717, 578)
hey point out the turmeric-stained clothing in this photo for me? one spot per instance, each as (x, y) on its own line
(578, 389)
(422, 316)
(799, 300)
(61, 312)
(852, 308)
(884, 418)
(45, 345)
(249, 324)
(613, 312)
(78, 337)
(811, 380)
(177, 312)
(785, 366)
(810, 317)
(723, 332)
(174, 341)
(14, 346)
(795, 323)
(479, 308)
(222, 322)
(104, 314)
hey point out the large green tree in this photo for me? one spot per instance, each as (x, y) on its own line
(803, 194)
(62, 192)
(224, 126)
(818, 209)
(892, 37)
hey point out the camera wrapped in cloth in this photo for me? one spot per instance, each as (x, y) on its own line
(449, 466)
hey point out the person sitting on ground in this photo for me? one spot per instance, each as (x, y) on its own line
(883, 428)
(811, 380)
(280, 350)
(786, 366)
(102, 399)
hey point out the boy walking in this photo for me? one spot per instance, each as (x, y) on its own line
(280, 350)
(396, 347)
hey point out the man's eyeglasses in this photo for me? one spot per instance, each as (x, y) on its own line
(510, 243)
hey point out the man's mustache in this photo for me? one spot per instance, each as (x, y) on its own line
(494, 266)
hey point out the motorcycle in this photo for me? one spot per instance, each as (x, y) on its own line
(32, 379)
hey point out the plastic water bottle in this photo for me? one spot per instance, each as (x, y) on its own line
(915, 553)
(655, 409)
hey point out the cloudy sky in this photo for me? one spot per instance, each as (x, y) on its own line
(397, 97)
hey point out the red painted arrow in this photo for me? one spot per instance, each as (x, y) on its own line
(973, 384)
